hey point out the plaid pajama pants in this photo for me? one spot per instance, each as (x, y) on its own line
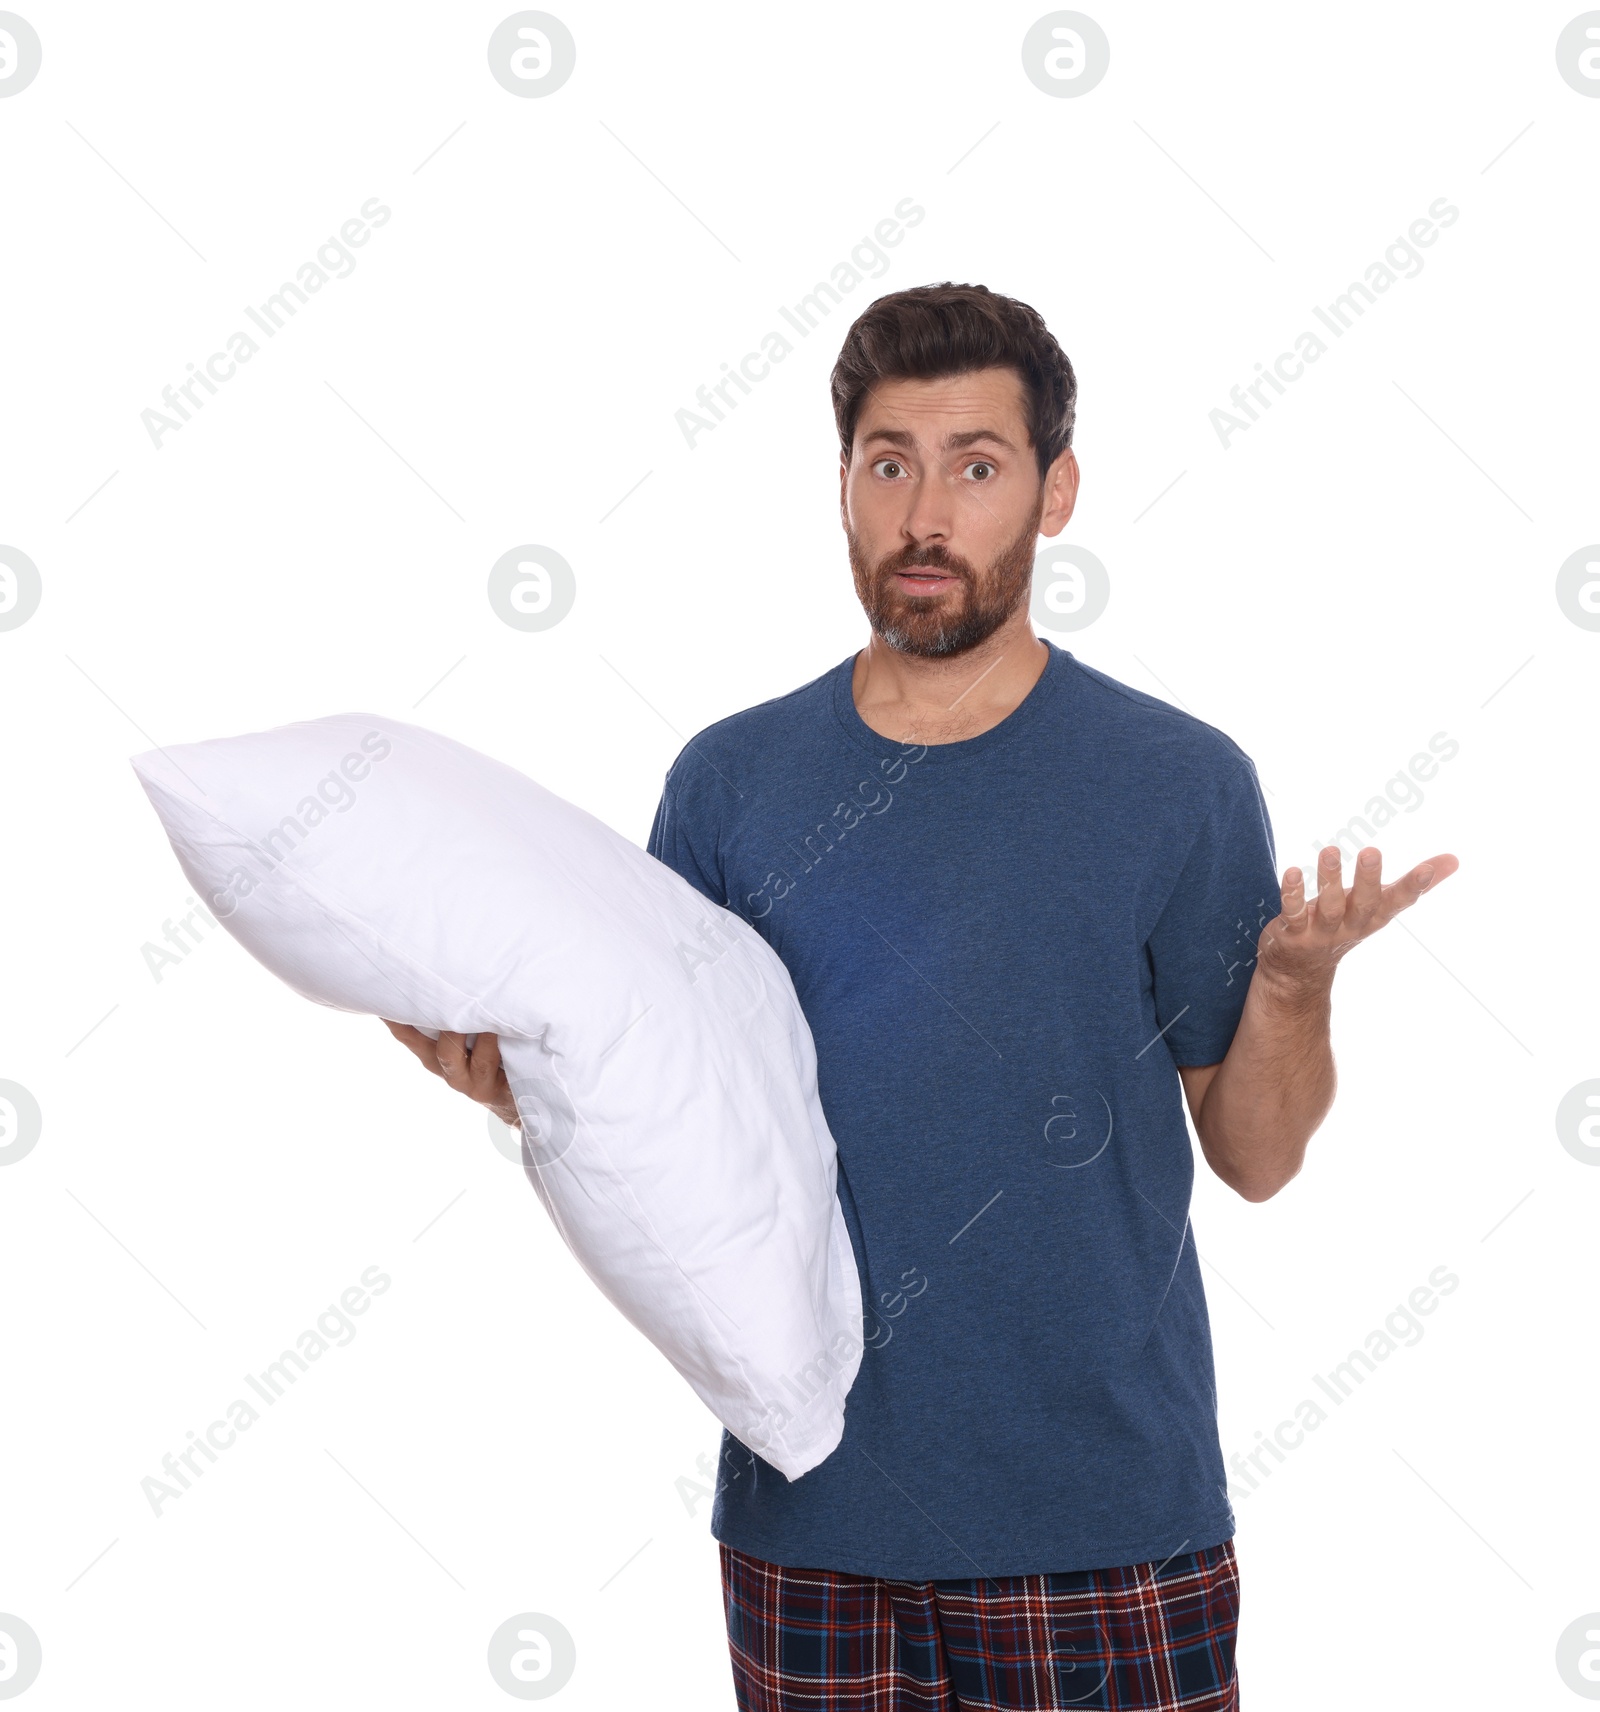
(1151, 1637)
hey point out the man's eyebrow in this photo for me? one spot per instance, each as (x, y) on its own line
(952, 442)
(958, 442)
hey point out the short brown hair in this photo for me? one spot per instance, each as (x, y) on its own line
(930, 331)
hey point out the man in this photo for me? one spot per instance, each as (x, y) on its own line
(1023, 905)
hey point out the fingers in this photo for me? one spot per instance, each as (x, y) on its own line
(486, 1058)
(477, 1073)
(1442, 867)
(1293, 890)
(455, 1061)
(497, 1095)
(1330, 887)
(489, 1082)
(1366, 885)
(1426, 875)
(417, 1043)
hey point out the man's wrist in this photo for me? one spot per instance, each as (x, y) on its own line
(1297, 993)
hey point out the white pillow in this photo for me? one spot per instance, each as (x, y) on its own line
(665, 1075)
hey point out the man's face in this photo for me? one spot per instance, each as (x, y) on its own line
(942, 508)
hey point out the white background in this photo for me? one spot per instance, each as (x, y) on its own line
(1373, 562)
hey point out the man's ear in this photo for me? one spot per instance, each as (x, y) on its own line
(1060, 494)
(844, 477)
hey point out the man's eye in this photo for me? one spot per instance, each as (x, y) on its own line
(986, 468)
(889, 466)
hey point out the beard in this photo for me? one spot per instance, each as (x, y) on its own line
(935, 626)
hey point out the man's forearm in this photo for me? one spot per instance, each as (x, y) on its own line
(1274, 1087)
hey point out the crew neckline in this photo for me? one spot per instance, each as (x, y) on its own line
(1058, 678)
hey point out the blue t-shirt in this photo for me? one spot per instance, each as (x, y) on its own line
(1004, 947)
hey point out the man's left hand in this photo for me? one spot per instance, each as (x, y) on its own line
(1300, 948)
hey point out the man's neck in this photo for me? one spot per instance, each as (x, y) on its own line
(912, 699)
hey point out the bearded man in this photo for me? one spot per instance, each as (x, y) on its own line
(1029, 912)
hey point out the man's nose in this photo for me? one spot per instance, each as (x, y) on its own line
(931, 514)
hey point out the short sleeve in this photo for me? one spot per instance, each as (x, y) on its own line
(1202, 949)
(678, 835)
